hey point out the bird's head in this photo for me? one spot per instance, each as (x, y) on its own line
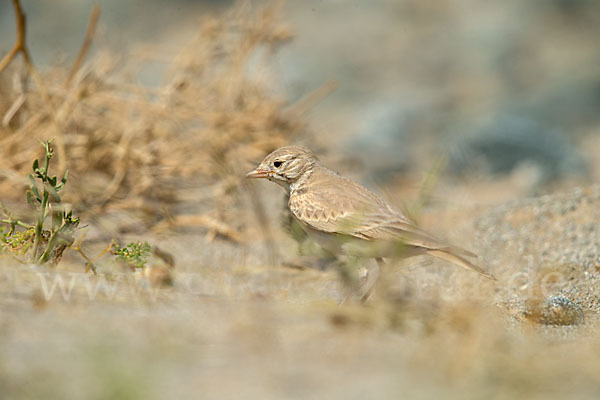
(285, 165)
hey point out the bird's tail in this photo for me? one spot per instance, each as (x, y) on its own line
(459, 260)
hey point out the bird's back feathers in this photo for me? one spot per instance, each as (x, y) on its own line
(327, 202)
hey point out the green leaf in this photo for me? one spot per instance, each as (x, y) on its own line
(36, 165)
(63, 181)
(53, 193)
(136, 254)
(52, 181)
(31, 199)
(34, 188)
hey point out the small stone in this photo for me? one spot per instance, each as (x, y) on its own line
(555, 310)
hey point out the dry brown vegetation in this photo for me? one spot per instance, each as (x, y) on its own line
(126, 145)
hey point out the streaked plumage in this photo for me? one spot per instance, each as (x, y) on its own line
(345, 217)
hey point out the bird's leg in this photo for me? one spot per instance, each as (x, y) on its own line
(371, 278)
(349, 276)
(359, 277)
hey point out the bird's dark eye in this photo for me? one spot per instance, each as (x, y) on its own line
(277, 164)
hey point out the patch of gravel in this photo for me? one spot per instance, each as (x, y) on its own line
(545, 247)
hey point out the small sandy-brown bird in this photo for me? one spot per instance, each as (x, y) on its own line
(344, 217)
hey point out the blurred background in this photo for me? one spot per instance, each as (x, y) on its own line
(497, 88)
(462, 112)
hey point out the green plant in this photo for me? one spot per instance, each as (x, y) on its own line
(19, 238)
(135, 254)
(17, 241)
(63, 223)
(43, 245)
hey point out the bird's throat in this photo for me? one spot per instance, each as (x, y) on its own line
(300, 182)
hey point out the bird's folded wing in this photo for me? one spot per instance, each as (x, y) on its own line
(357, 212)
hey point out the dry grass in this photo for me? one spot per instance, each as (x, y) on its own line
(126, 145)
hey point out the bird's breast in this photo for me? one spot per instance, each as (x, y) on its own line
(330, 241)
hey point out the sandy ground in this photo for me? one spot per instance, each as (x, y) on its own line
(233, 327)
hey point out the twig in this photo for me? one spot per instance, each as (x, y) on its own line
(10, 221)
(21, 47)
(20, 41)
(85, 46)
(19, 87)
(12, 111)
(89, 264)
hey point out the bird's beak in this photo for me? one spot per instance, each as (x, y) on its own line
(257, 173)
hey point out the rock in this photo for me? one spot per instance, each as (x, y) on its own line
(554, 310)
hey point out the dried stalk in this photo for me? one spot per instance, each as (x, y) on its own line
(85, 46)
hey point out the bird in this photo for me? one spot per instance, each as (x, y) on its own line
(347, 218)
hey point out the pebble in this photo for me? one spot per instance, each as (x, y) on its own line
(555, 310)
